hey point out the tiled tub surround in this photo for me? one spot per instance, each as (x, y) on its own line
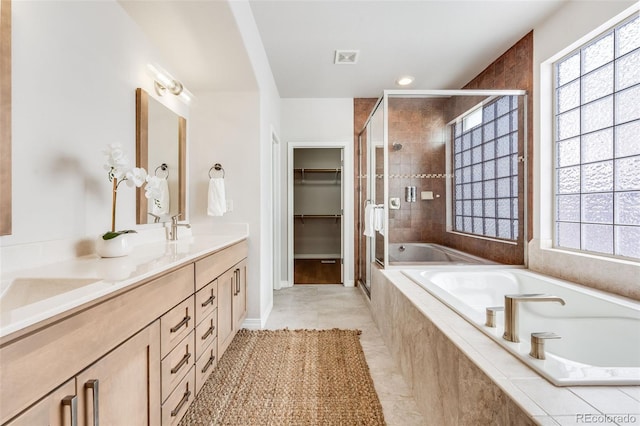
(459, 376)
(42, 294)
(586, 317)
(414, 254)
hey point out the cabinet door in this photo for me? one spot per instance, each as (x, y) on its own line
(123, 387)
(240, 295)
(226, 289)
(59, 408)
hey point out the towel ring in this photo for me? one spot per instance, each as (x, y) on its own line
(162, 167)
(217, 167)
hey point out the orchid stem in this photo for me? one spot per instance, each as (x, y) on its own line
(113, 205)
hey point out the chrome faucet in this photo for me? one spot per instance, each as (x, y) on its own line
(156, 218)
(537, 343)
(173, 233)
(511, 311)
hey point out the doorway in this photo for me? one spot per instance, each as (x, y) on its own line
(316, 212)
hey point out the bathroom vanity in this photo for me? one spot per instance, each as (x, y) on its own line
(132, 351)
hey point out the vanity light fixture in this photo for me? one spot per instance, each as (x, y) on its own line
(405, 80)
(164, 82)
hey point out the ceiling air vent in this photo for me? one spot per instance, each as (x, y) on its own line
(346, 57)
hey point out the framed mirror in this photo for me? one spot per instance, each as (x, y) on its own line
(5, 117)
(161, 140)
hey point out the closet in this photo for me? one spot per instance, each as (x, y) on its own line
(317, 215)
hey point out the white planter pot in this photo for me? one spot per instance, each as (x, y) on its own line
(115, 247)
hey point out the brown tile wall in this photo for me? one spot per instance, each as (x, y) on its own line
(512, 70)
(418, 123)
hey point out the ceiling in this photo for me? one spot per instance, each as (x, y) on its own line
(442, 43)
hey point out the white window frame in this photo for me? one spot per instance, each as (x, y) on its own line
(545, 169)
(555, 242)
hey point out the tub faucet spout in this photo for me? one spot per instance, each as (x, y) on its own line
(511, 311)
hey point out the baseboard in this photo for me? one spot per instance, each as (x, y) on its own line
(252, 324)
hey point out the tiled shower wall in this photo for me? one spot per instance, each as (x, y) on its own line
(418, 124)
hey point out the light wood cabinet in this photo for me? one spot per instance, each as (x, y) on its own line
(55, 409)
(226, 291)
(123, 388)
(240, 295)
(118, 354)
(120, 388)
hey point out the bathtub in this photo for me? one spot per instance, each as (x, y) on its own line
(600, 333)
(429, 253)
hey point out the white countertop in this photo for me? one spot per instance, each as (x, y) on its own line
(31, 296)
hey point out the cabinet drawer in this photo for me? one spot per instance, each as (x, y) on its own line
(175, 325)
(176, 405)
(206, 332)
(176, 364)
(206, 301)
(210, 267)
(206, 364)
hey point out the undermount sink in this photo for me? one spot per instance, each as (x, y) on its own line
(28, 296)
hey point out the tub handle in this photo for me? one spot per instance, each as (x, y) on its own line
(537, 343)
(492, 312)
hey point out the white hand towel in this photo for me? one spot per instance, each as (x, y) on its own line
(217, 205)
(162, 204)
(368, 221)
(378, 219)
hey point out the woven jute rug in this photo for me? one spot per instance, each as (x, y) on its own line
(289, 377)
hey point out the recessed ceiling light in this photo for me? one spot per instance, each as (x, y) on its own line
(346, 57)
(404, 80)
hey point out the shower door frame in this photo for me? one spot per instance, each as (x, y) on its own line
(383, 102)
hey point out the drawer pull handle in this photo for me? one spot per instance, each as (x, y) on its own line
(209, 301)
(208, 333)
(72, 402)
(183, 401)
(185, 321)
(182, 362)
(328, 262)
(236, 275)
(94, 385)
(208, 364)
(234, 282)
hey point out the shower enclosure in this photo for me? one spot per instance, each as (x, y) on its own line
(445, 167)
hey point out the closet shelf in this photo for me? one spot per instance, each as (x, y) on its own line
(315, 170)
(302, 171)
(302, 217)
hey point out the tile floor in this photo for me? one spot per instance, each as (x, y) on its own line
(335, 306)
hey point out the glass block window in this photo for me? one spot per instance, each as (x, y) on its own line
(485, 164)
(597, 144)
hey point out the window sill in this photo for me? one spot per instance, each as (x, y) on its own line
(480, 237)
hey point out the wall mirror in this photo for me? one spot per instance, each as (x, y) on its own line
(5, 117)
(161, 137)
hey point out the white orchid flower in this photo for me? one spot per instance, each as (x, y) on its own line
(136, 176)
(116, 161)
(116, 157)
(152, 190)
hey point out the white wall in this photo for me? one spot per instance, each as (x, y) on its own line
(551, 38)
(319, 120)
(76, 66)
(225, 129)
(261, 290)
